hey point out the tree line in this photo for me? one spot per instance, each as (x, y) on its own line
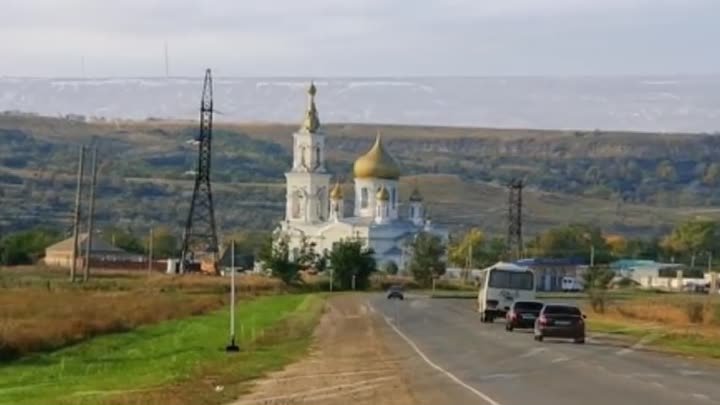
(688, 242)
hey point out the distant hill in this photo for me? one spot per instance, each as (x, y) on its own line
(677, 103)
(633, 183)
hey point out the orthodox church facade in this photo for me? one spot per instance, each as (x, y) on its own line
(316, 211)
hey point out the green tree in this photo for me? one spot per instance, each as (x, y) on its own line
(666, 171)
(597, 281)
(350, 258)
(427, 261)
(692, 237)
(466, 251)
(123, 239)
(390, 268)
(26, 247)
(250, 242)
(275, 255)
(571, 241)
(165, 243)
(712, 174)
(307, 257)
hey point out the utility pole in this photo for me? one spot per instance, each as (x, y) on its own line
(232, 347)
(88, 246)
(150, 252)
(76, 220)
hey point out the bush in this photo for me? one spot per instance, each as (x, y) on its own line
(695, 312)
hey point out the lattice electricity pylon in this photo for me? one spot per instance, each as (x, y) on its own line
(514, 234)
(200, 235)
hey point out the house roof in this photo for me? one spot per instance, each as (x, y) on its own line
(98, 245)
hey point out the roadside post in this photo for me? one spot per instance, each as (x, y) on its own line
(232, 347)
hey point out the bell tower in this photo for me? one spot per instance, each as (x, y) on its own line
(308, 181)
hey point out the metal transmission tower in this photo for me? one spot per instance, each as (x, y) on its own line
(514, 235)
(200, 236)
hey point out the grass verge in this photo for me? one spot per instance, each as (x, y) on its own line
(41, 311)
(175, 362)
(697, 342)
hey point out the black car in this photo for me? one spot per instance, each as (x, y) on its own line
(560, 321)
(522, 315)
(396, 292)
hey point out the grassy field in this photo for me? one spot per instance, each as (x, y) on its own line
(174, 362)
(678, 323)
(41, 310)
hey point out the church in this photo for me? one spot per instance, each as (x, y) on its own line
(315, 210)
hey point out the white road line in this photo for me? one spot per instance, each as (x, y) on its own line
(701, 396)
(450, 375)
(560, 360)
(533, 352)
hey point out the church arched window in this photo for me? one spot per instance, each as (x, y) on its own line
(392, 197)
(295, 204)
(364, 197)
(412, 212)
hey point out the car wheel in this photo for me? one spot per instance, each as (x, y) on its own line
(579, 341)
(539, 338)
(509, 328)
(402, 298)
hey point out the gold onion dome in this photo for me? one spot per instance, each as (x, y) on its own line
(376, 163)
(337, 192)
(311, 123)
(415, 196)
(382, 194)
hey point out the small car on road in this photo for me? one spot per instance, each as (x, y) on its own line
(395, 292)
(560, 321)
(522, 315)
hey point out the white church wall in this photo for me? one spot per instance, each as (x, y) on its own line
(373, 185)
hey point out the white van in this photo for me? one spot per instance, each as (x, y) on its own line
(500, 285)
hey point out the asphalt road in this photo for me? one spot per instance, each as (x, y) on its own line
(450, 357)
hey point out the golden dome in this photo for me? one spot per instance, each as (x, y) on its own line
(311, 123)
(416, 196)
(383, 194)
(337, 192)
(376, 163)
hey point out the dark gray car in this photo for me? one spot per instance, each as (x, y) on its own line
(560, 321)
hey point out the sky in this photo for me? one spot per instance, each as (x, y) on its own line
(321, 38)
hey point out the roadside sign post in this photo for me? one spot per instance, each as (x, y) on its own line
(232, 347)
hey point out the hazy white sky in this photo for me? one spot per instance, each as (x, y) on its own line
(359, 37)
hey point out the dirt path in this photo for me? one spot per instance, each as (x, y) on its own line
(349, 362)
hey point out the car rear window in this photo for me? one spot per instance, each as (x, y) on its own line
(534, 306)
(562, 310)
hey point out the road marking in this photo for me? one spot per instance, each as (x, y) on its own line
(499, 376)
(701, 396)
(688, 373)
(533, 352)
(639, 345)
(448, 374)
(560, 360)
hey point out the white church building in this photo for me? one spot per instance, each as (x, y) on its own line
(316, 212)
